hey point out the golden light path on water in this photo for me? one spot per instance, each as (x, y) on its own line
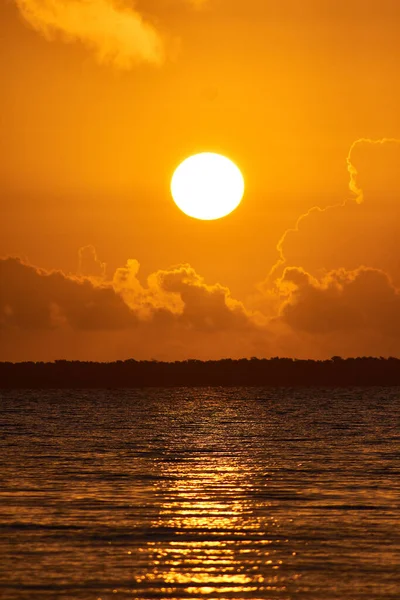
(220, 544)
(217, 494)
(209, 501)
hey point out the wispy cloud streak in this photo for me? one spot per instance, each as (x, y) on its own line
(116, 33)
(354, 187)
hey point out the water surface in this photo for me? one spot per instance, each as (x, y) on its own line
(200, 493)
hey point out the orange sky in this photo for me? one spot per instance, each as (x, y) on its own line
(100, 103)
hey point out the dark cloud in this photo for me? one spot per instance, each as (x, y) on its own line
(32, 298)
(175, 315)
(342, 301)
(178, 315)
(205, 307)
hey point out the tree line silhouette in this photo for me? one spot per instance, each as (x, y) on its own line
(362, 371)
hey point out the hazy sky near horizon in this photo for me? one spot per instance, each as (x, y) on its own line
(101, 100)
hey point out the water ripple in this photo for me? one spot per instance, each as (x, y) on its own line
(200, 493)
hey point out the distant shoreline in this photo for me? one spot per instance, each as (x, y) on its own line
(273, 372)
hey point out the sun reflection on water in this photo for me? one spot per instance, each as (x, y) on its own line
(200, 494)
(216, 542)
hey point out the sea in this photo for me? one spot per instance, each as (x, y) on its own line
(200, 493)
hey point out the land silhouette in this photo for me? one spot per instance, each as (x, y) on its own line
(282, 372)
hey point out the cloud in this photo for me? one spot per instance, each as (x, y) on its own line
(114, 30)
(184, 295)
(381, 160)
(145, 301)
(175, 314)
(89, 264)
(116, 33)
(282, 260)
(346, 313)
(32, 298)
(205, 307)
(335, 286)
(349, 301)
(362, 229)
(35, 298)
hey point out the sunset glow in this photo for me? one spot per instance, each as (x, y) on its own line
(200, 299)
(199, 179)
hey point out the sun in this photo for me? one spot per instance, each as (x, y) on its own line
(207, 186)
